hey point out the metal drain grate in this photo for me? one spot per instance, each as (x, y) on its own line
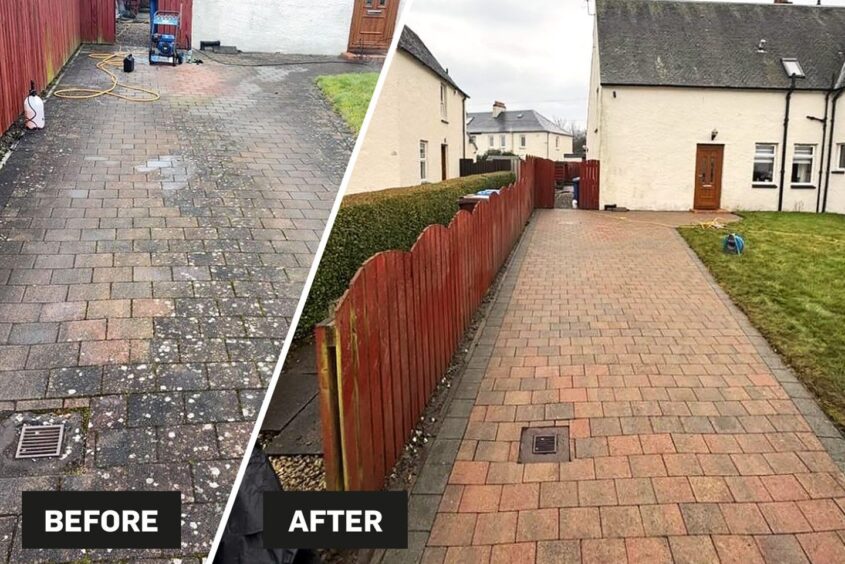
(40, 441)
(545, 444)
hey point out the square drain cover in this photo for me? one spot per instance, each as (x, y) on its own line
(40, 441)
(544, 444)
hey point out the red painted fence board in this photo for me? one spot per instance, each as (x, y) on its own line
(588, 197)
(567, 171)
(399, 323)
(37, 38)
(97, 21)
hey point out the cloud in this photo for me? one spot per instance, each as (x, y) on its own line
(531, 54)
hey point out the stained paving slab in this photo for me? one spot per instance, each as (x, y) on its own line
(151, 258)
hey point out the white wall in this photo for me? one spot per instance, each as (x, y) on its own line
(537, 144)
(284, 26)
(407, 112)
(647, 145)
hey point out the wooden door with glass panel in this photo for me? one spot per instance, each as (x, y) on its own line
(373, 22)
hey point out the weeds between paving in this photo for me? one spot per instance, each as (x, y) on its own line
(791, 283)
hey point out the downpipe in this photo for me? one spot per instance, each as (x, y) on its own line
(830, 148)
(785, 138)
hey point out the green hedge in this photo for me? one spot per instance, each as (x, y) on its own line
(378, 221)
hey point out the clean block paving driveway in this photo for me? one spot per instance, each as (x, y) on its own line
(691, 441)
(151, 258)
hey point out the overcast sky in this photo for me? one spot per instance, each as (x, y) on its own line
(530, 54)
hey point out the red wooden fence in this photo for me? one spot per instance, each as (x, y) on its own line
(566, 171)
(36, 38)
(588, 197)
(544, 185)
(397, 326)
(97, 21)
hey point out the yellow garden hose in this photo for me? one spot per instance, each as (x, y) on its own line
(108, 60)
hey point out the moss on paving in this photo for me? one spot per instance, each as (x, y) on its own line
(791, 283)
(350, 95)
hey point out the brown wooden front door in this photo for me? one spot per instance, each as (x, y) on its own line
(444, 165)
(708, 177)
(373, 22)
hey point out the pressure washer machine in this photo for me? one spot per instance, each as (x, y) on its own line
(163, 47)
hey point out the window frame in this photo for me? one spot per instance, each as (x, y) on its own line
(840, 153)
(503, 141)
(523, 141)
(491, 141)
(423, 160)
(803, 159)
(759, 157)
(444, 102)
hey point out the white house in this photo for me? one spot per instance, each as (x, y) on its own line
(522, 132)
(330, 27)
(417, 131)
(718, 105)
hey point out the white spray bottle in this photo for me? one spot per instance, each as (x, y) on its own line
(33, 108)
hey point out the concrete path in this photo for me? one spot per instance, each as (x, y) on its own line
(691, 442)
(151, 257)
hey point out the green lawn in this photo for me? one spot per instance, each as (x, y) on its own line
(350, 95)
(791, 284)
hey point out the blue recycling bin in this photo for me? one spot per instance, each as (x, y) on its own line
(576, 184)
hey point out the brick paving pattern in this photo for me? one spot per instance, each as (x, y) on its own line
(151, 257)
(691, 441)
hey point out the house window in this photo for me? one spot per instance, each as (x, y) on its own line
(491, 141)
(764, 163)
(423, 160)
(557, 141)
(802, 164)
(522, 141)
(841, 160)
(503, 140)
(444, 108)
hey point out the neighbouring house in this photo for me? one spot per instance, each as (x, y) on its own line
(522, 132)
(358, 27)
(718, 105)
(417, 131)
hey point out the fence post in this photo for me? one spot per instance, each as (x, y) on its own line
(329, 404)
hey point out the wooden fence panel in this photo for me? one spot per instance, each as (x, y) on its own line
(469, 167)
(37, 38)
(397, 326)
(588, 197)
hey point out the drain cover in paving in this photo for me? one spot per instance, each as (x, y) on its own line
(28, 443)
(544, 444)
(40, 441)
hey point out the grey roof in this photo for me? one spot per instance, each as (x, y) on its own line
(510, 121)
(411, 43)
(710, 44)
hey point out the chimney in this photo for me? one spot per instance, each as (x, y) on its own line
(498, 108)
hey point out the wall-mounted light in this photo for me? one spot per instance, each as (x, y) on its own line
(714, 134)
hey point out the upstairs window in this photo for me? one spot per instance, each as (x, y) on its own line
(840, 162)
(491, 141)
(802, 165)
(764, 163)
(503, 141)
(522, 141)
(444, 105)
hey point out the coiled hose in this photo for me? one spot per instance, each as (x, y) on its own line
(106, 61)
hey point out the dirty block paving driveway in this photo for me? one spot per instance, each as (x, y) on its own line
(691, 441)
(151, 258)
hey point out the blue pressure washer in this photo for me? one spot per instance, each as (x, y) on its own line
(733, 244)
(163, 48)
